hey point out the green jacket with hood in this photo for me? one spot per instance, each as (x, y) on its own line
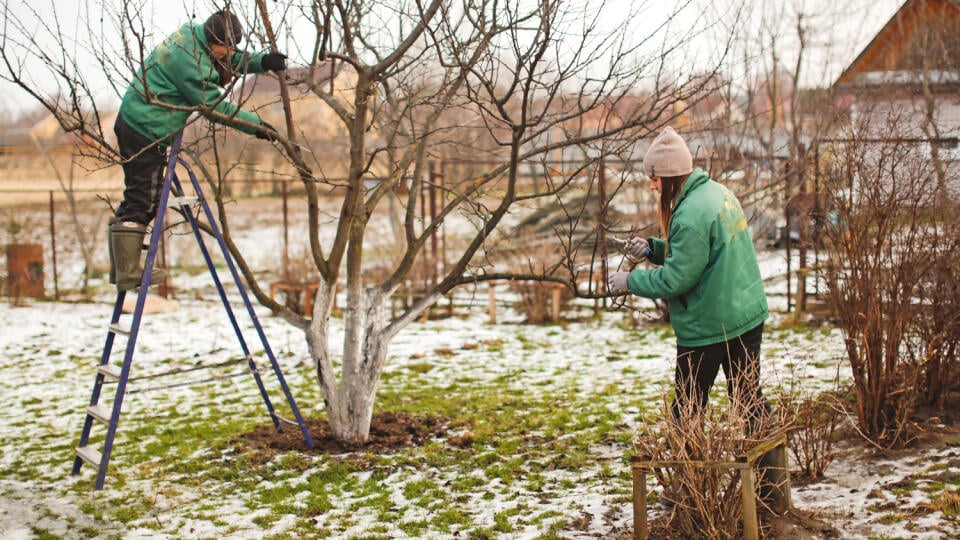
(179, 72)
(709, 273)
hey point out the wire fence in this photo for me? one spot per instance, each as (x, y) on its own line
(59, 220)
(51, 218)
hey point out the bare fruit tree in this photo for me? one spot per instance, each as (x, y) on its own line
(458, 119)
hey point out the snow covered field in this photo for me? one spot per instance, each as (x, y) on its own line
(49, 351)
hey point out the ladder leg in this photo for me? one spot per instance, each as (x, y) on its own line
(229, 309)
(250, 311)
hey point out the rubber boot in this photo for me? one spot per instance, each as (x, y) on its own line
(113, 264)
(126, 241)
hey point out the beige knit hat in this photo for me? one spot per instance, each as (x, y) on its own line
(668, 156)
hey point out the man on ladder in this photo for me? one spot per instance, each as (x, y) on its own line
(181, 75)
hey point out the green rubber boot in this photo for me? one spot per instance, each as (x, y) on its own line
(126, 241)
(113, 265)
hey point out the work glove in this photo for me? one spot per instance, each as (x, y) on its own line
(266, 132)
(636, 249)
(617, 283)
(274, 61)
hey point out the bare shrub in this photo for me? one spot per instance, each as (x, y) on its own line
(299, 268)
(812, 431)
(706, 495)
(935, 337)
(535, 300)
(299, 273)
(533, 253)
(884, 254)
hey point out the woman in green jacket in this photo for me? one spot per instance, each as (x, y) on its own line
(180, 76)
(706, 269)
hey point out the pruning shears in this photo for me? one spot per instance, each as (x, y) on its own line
(621, 244)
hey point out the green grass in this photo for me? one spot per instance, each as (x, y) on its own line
(43, 534)
(520, 440)
(891, 518)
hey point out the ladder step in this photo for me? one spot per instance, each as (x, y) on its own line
(109, 370)
(100, 412)
(287, 421)
(89, 454)
(118, 328)
(183, 201)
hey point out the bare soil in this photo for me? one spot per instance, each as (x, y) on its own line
(389, 433)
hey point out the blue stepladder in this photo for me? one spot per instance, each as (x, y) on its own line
(108, 372)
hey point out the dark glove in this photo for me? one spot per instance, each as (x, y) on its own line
(274, 61)
(636, 249)
(617, 283)
(266, 132)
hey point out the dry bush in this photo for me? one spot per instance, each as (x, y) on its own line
(706, 501)
(894, 230)
(813, 430)
(934, 340)
(535, 300)
(298, 271)
(535, 256)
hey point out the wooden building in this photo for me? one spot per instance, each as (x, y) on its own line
(909, 71)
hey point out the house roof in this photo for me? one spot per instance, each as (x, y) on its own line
(888, 51)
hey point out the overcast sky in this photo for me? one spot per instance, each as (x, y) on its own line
(161, 17)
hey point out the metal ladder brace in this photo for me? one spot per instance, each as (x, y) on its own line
(109, 372)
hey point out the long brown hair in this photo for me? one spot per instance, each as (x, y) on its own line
(224, 69)
(670, 187)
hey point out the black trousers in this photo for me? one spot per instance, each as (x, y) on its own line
(739, 358)
(143, 164)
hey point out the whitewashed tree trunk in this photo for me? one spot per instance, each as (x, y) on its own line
(349, 400)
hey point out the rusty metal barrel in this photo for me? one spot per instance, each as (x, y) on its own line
(25, 270)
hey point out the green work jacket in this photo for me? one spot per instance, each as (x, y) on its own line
(708, 270)
(179, 72)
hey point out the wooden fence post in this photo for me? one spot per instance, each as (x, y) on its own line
(640, 531)
(492, 304)
(749, 496)
(555, 311)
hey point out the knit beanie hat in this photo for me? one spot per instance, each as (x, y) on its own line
(223, 28)
(668, 156)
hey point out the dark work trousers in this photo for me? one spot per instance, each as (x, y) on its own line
(143, 164)
(739, 357)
